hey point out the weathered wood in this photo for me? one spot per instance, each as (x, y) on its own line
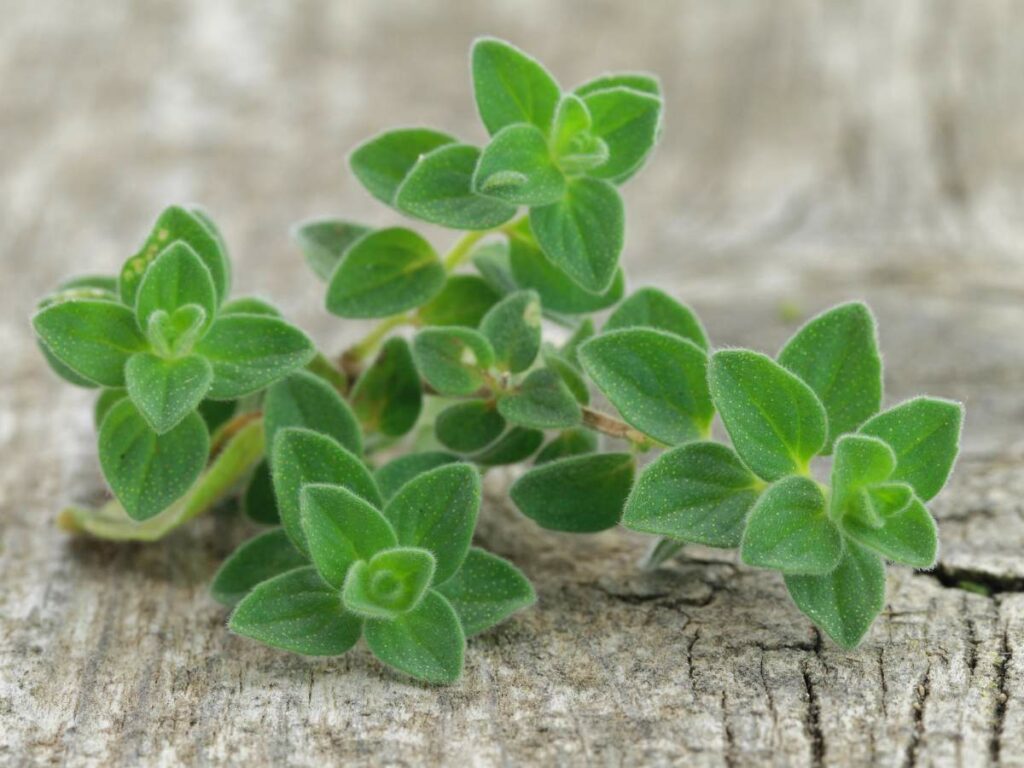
(812, 153)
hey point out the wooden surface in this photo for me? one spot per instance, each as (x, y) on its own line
(813, 152)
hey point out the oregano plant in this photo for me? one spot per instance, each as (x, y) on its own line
(365, 467)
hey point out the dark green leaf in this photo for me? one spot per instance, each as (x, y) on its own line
(908, 536)
(381, 163)
(516, 445)
(177, 278)
(836, 354)
(469, 426)
(629, 122)
(542, 401)
(652, 308)
(400, 471)
(581, 494)
(571, 442)
(517, 167)
(388, 397)
(464, 300)
(258, 501)
(107, 399)
(297, 612)
(256, 560)
(570, 350)
(775, 420)
(390, 584)
(165, 391)
(569, 374)
(511, 87)
(513, 328)
(699, 492)
(427, 643)
(217, 412)
(306, 400)
(453, 360)
(486, 591)
(656, 380)
(147, 471)
(324, 241)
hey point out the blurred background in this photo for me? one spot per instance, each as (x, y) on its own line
(812, 152)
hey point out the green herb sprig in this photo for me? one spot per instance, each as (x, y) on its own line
(368, 470)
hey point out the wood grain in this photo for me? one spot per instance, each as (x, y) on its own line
(813, 152)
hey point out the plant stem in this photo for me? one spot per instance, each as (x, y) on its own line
(461, 250)
(609, 425)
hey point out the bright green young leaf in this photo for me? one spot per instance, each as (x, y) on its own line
(248, 352)
(582, 234)
(175, 334)
(439, 189)
(789, 530)
(516, 445)
(580, 494)
(427, 643)
(653, 308)
(846, 601)
(453, 360)
(258, 501)
(859, 461)
(776, 422)
(486, 591)
(383, 273)
(177, 278)
(517, 167)
(638, 81)
(248, 305)
(92, 338)
(305, 400)
(383, 162)
(909, 536)
(341, 528)
(872, 505)
(629, 122)
(324, 242)
(571, 442)
(699, 492)
(107, 399)
(256, 560)
(147, 471)
(437, 511)
(513, 328)
(836, 354)
(390, 584)
(388, 397)
(297, 612)
(464, 300)
(571, 119)
(511, 87)
(469, 426)
(300, 457)
(165, 391)
(542, 401)
(570, 375)
(656, 380)
(924, 433)
(190, 227)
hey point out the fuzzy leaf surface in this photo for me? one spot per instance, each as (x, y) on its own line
(388, 397)
(512, 326)
(486, 590)
(516, 445)
(324, 242)
(628, 122)
(571, 442)
(542, 401)
(165, 391)
(653, 308)
(453, 360)
(427, 643)
(908, 536)
(177, 278)
(511, 87)
(382, 162)
(256, 560)
(517, 167)
(400, 471)
(389, 584)
(305, 400)
(464, 300)
(860, 461)
(469, 426)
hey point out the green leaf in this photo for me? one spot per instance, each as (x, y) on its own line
(216, 413)
(513, 328)
(427, 643)
(464, 300)
(924, 433)
(324, 241)
(860, 461)
(638, 81)
(147, 471)
(582, 234)
(400, 471)
(166, 391)
(836, 354)
(256, 560)
(92, 338)
(486, 591)
(177, 278)
(326, 370)
(176, 334)
(572, 118)
(542, 401)
(383, 162)
(789, 530)
(341, 528)
(699, 492)
(305, 400)
(492, 262)
(511, 87)
(174, 224)
(846, 601)
(453, 360)
(557, 291)
(776, 422)
(652, 308)
(571, 442)
(439, 189)
(581, 494)
(570, 375)
(469, 426)
(297, 612)
(570, 350)
(516, 445)
(248, 352)
(629, 122)
(384, 273)
(107, 399)
(258, 501)
(877, 502)
(248, 305)
(388, 397)
(437, 511)
(392, 583)
(300, 457)
(908, 536)
(517, 167)
(656, 380)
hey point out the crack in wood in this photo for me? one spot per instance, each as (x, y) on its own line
(1002, 696)
(921, 693)
(812, 723)
(975, 580)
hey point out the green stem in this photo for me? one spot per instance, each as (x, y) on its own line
(366, 346)
(462, 248)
